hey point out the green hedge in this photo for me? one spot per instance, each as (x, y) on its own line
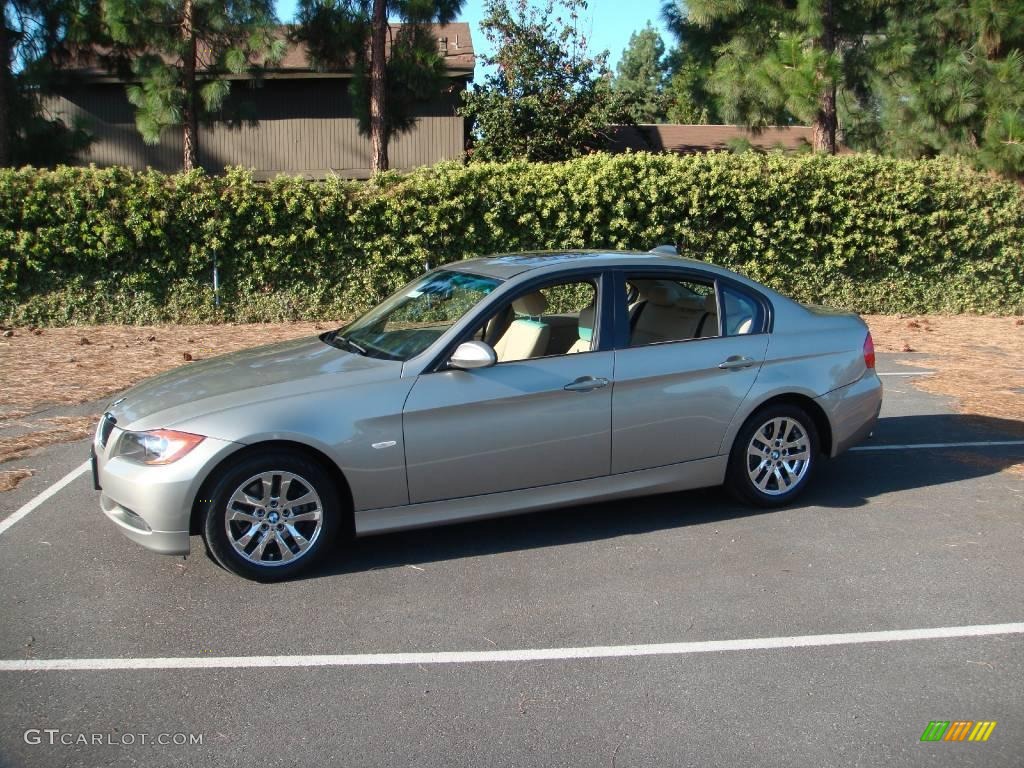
(871, 234)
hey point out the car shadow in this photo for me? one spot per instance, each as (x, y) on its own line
(850, 481)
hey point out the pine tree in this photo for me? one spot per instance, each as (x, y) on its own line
(691, 63)
(385, 88)
(641, 76)
(180, 52)
(950, 80)
(783, 61)
(35, 38)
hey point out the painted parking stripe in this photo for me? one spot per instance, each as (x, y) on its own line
(510, 656)
(909, 373)
(51, 491)
(924, 446)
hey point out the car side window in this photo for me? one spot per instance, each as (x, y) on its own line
(670, 309)
(556, 319)
(742, 313)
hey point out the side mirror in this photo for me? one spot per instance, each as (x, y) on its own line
(473, 354)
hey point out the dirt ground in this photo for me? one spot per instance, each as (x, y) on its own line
(977, 360)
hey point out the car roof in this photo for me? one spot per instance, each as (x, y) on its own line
(508, 265)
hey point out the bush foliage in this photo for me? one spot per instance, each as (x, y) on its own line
(861, 232)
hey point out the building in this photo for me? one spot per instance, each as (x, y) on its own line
(297, 120)
(690, 139)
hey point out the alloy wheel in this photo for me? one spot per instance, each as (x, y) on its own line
(778, 455)
(274, 518)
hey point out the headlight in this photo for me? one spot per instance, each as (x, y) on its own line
(158, 446)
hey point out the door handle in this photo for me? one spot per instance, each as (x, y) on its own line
(585, 384)
(736, 361)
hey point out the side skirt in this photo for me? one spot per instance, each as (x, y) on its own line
(675, 477)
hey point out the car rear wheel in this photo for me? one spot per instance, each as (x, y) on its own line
(271, 516)
(773, 456)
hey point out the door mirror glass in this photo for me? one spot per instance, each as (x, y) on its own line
(473, 354)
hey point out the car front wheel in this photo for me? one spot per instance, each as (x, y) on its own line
(773, 456)
(271, 516)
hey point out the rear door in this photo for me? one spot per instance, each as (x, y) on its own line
(685, 361)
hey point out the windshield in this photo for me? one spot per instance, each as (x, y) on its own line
(413, 318)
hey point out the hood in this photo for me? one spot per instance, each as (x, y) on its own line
(277, 370)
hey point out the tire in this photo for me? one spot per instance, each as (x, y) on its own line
(761, 471)
(268, 538)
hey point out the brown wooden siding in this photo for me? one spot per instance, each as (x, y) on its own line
(301, 126)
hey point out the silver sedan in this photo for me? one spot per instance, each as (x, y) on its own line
(489, 387)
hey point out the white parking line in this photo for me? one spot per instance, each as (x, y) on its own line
(923, 446)
(53, 489)
(909, 373)
(522, 655)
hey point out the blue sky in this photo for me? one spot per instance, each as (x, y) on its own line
(611, 22)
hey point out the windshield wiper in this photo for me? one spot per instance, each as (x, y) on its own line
(350, 344)
(335, 339)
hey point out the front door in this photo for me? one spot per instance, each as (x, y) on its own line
(541, 416)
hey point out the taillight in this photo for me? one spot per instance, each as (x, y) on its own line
(869, 351)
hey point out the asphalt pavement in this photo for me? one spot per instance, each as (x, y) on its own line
(885, 540)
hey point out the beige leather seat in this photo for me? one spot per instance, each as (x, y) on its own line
(709, 326)
(668, 314)
(586, 330)
(527, 336)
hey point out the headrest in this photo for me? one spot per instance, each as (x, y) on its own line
(661, 294)
(586, 322)
(532, 304)
(711, 304)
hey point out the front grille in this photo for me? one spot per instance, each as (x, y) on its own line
(106, 427)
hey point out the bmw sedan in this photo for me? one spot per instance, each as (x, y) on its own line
(489, 387)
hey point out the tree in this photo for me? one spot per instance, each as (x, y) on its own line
(781, 61)
(949, 79)
(386, 87)
(35, 36)
(548, 98)
(180, 52)
(690, 65)
(641, 76)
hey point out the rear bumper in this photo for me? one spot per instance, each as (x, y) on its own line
(852, 411)
(152, 505)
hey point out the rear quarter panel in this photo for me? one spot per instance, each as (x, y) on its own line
(810, 353)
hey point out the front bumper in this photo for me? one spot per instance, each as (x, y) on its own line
(152, 505)
(853, 411)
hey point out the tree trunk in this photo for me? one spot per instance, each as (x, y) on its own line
(378, 74)
(5, 91)
(190, 122)
(826, 122)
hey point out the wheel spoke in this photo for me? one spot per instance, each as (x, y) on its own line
(305, 498)
(243, 542)
(261, 545)
(300, 541)
(282, 491)
(311, 516)
(282, 547)
(241, 514)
